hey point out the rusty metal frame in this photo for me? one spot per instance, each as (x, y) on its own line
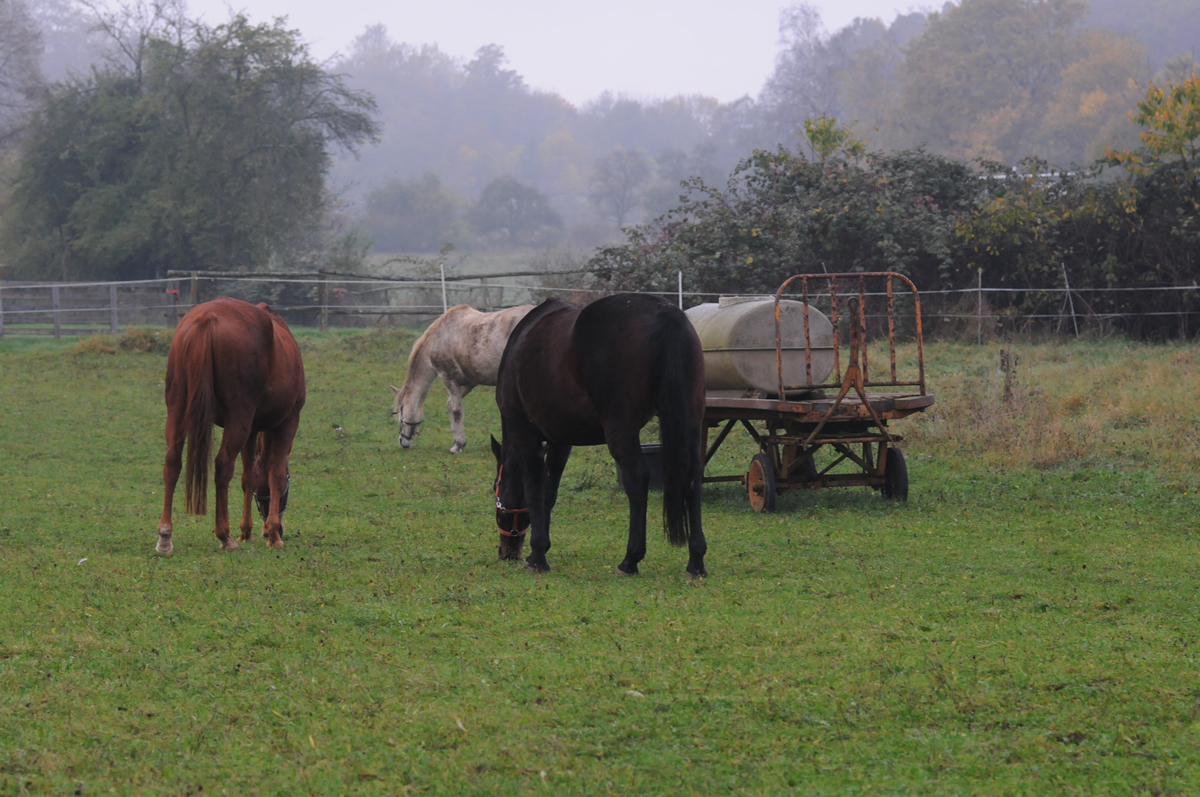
(873, 460)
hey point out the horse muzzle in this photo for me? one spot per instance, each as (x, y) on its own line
(263, 502)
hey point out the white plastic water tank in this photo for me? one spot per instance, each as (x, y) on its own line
(738, 338)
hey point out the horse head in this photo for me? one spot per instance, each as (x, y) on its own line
(511, 523)
(263, 500)
(409, 414)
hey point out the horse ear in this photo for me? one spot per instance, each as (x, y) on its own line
(496, 449)
(395, 389)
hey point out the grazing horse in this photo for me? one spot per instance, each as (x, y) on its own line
(463, 347)
(236, 365)
(596, 376)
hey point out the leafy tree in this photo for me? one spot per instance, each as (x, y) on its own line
(617, 181)
(509, 212)
(412, 215)
(780, 215)
(204, 147)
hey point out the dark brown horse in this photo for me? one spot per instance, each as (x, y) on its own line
(236, 365)
(596, 376)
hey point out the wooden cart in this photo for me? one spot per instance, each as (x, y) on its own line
(849, 413)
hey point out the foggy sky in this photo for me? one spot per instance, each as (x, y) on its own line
(642, 48)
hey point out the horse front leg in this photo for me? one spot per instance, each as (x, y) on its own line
(626, 449)
(172, 467)
(232, 442)
(250, 484)
(534, 472)
(277, 450)
(454, 406)
(557, 455)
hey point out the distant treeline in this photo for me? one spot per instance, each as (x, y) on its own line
(134, 139)
(1000, 80)
(1130, 220)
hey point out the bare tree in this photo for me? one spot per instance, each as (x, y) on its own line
(20, 77)
(617, 182)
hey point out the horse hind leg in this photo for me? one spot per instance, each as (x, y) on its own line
(627, 451)
(172, 467)
(233, 441)
(250, 485)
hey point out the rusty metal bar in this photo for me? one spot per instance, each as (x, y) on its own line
(861, 320)
(720, 439)
(807, 342)
(891, 326)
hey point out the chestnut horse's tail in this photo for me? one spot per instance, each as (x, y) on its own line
(199, 415)
(680, 368)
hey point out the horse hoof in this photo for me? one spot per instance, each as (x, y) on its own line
(697, 574)
(164, 545)
(230, 545)
(533, 569)
(623, 572)
(456, 449)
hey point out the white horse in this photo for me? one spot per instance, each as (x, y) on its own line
(463, 347)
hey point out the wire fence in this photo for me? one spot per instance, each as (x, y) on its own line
(330, 299)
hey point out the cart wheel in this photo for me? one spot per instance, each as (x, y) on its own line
(760, 484)
(895, 476)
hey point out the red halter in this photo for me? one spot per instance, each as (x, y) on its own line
(514, 512)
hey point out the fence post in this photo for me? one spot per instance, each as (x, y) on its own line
(442, 266)
(1070, 300)
(1, 310)
(979, 309)
(57, 313)
(173, 310)
(323, 298)
(112, 307)
(681, 289)
(194, 299)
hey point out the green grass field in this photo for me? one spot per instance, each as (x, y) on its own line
(1025, 624)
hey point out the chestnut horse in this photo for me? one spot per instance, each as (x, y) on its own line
(236, 365)
(596, 376)
(463, 347)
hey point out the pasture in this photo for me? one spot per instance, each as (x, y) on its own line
(1025, 624)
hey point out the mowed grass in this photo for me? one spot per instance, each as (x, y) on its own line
(1025, 624)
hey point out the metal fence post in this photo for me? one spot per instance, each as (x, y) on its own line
(194, 299)
(1, 311)
(112, 307)
(57, 313)
(323, 298)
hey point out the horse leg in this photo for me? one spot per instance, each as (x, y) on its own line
(232, 442)
(454, 407)
(697, 546)
(278, 447)
(626, 449)
(176, 432)
(533, 468)
(250, 479)
(556, 461)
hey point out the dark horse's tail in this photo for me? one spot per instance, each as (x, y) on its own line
(199, 414)
(680, 372)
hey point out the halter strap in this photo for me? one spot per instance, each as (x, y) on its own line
(515, 513)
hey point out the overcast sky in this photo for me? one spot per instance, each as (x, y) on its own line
(643, 48)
